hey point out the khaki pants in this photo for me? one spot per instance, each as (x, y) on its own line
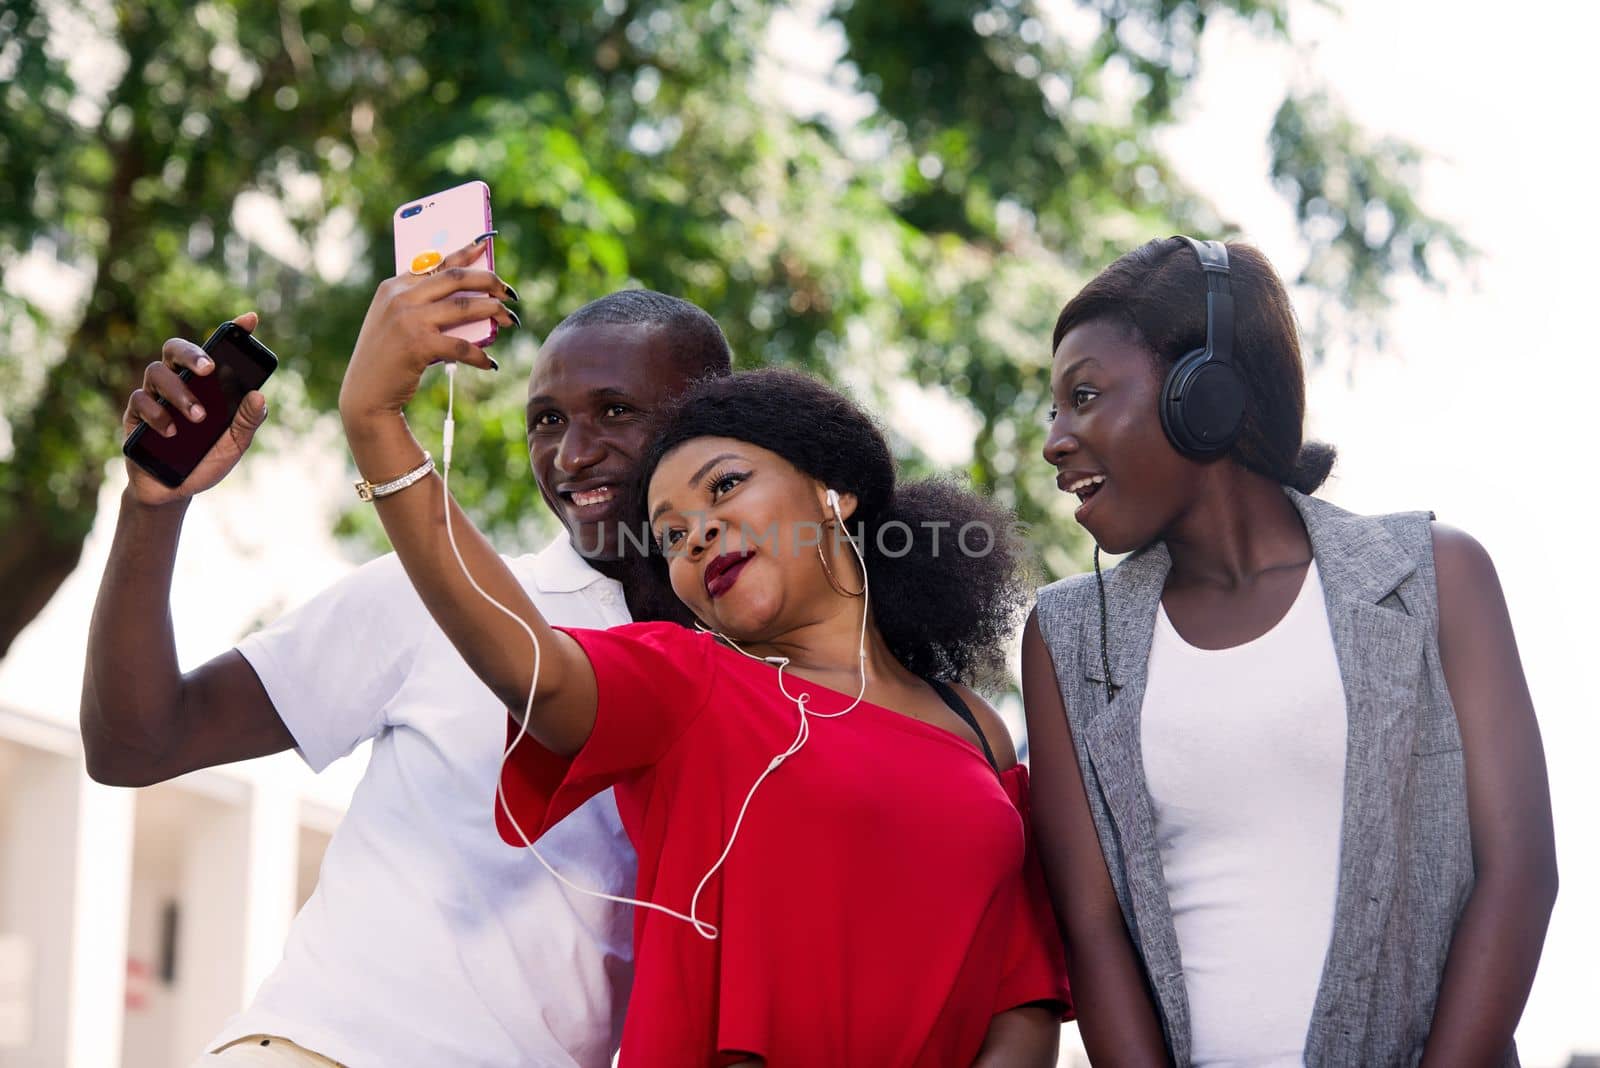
(264, 1051)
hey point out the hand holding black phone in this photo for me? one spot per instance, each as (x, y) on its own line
(241, 364)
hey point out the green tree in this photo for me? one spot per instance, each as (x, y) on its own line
(985, 157)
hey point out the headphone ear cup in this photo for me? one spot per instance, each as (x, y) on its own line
(1172, 401)
(1202, 405)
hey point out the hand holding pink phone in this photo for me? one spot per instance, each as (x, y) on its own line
(427, 230)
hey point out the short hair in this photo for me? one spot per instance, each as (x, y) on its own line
(693, 337)
(1157, 294)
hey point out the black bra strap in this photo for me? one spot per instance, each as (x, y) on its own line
(959, 707)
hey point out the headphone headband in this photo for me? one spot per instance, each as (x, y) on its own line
(1213, 256)
(1202, 397)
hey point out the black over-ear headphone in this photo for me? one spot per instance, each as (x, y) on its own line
(1202, 399)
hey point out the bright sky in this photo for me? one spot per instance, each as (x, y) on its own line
(1473, 412)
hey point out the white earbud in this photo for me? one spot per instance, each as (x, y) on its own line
(833, 502)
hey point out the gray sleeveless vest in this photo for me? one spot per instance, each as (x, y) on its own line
(1405, 858)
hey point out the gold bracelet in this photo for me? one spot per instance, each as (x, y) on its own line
(369, 492)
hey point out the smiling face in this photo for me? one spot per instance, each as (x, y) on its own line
(1105, 439)
(589, 398)
(740, 527)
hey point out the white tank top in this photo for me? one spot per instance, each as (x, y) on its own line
(1244, 753)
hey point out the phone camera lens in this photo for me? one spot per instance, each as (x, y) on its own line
(415, 209)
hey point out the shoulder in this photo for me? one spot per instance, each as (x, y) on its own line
(668, 637)
(382, 572)
(1067, 589)
(659, 665)
(385, 577)
(1458, 553)
(1412, 531)
(384, 594)
(1033, 640)
(1464, 571)
(667, 650)
(662, 630)
(1058, 604)
(995, 731)
(378, 593)
(1037, 657)
(1077, 593)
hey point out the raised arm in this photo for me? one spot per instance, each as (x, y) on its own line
(1115, 1014)
(142, 720)
(403, 334)
(1495, 951)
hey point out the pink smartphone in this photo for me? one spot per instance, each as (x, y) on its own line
(442, 223)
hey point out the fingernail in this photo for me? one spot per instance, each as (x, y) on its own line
(494, 365)
(515, 320)
(196, 412)
(169, 431)
(203, 363)
(486, 235)
(511, 294)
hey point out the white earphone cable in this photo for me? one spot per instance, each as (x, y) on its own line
(705, 930)
(533, 685)
(804, 733)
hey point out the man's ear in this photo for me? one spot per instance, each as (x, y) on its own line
(847, 504)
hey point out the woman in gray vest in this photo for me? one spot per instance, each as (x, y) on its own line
(1289, 789)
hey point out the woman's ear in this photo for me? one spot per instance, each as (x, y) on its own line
(845, 502)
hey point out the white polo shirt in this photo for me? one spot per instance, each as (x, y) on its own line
(428, 941)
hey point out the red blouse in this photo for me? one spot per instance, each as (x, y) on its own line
(881, 903)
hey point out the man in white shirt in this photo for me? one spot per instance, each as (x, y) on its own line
(427, 942)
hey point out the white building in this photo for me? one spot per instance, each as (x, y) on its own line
(133, 922)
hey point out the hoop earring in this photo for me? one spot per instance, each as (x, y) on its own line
(828, 571)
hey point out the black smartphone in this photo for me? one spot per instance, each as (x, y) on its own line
(242, 364)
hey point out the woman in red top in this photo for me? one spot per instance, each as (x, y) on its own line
(814, 790)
